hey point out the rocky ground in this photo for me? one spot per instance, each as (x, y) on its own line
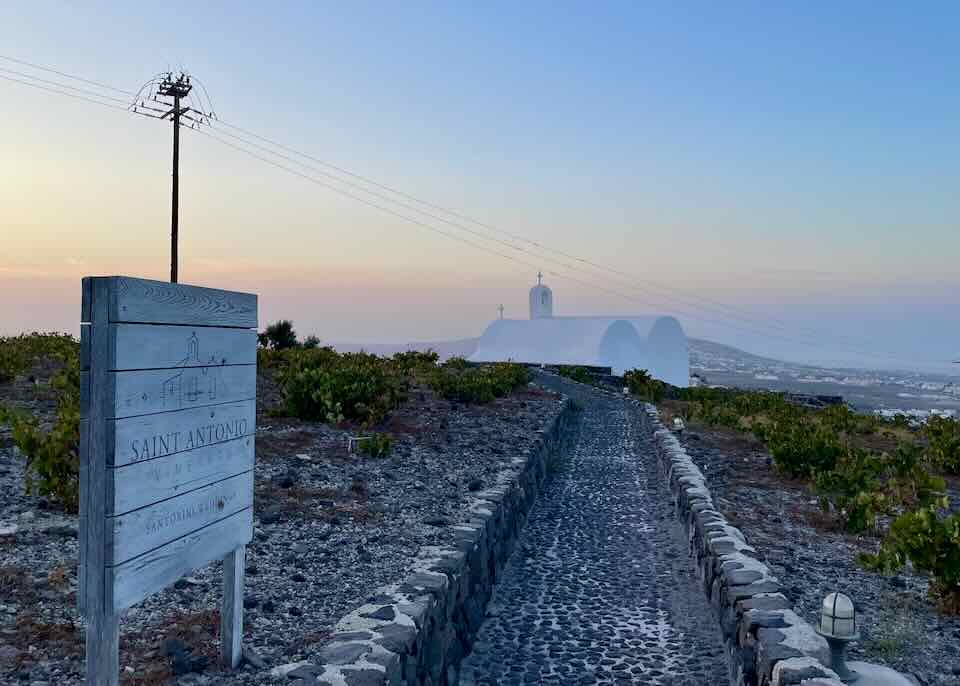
(330, 527)
(901, 628)
(600, 589)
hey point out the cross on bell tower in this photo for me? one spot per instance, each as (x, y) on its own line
(501, 310)
(539, 278)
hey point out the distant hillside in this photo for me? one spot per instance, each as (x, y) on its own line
(701, 350)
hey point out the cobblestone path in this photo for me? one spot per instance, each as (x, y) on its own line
(599, 589)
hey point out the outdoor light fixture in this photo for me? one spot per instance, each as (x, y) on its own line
(838, 624)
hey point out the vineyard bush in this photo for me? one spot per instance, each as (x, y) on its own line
(456, 380)
(929, 538)
(575, 373)
(323, 385)
(414, 362)
(377, 445)
(864, 485)
(52, 453)
(800, 449)
(641, 384)
(943, 433)
(19, 353)
(861, 486)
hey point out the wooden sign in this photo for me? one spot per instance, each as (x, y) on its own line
(168, 417)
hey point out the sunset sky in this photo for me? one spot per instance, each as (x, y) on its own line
(799, 162)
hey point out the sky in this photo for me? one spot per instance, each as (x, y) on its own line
(779, 176)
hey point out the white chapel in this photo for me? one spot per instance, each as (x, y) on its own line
(656, 343)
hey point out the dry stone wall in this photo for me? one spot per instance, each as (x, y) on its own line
(768, 644)
(416, 633)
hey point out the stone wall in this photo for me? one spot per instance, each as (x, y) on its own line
(768, 644)
(417, 632)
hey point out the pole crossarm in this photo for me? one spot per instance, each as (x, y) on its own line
(169, 90)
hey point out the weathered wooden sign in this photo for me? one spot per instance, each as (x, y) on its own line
(168, 416)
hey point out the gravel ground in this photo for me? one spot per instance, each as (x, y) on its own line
(901, 628)
(330, 527)
(600, 589)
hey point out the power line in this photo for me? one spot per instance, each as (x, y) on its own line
(60, 92)
(61, 73)
(751, 328)
(699, 302)
(538, 245)
(206, 117)
(61, 85)
(490, 250)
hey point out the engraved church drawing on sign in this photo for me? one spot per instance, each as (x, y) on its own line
(193, 383)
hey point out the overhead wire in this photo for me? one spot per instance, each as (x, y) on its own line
(207, 116)
(732, 312)
(550, 272)
(747, 324)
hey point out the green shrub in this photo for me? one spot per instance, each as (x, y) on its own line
(18, 353)
(575, 373)
(943, 433)
(53, 453)
(930, 539)
(800, 448)
(377, 445)
(641, 384)
(323, 385)
(278, 336)
(852, 489)
(415, 361)
(311, 342)
(864, 485)
(457, 380)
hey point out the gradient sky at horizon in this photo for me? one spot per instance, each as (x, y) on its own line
(797, 161)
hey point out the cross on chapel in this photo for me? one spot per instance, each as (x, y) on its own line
(539, 277)
(501, 310)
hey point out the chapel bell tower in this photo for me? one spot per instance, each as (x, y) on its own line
(541, 300)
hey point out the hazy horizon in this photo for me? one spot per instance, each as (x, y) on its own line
(796, 163)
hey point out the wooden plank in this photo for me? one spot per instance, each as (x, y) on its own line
(86, 299)
(231, 609)
(84, 394)
(162, 390)
(159, 302)
(133, 439)
(150, 481)
(140, 531)
(142, 576)
(84, 347)
(82, 511)
(103, 628)
(150, 346)
(103, 649)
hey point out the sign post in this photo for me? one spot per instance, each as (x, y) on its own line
(168, 417)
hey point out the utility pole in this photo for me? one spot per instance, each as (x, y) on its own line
(171, 91)
(177, 89)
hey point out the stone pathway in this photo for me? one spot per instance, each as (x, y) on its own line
(599, 589)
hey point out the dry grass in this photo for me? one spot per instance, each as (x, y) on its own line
(200, 631)
(52, 639)
(59, 577)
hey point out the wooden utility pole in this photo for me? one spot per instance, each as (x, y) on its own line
(170, 91)
(176, 88)
(175, 201)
